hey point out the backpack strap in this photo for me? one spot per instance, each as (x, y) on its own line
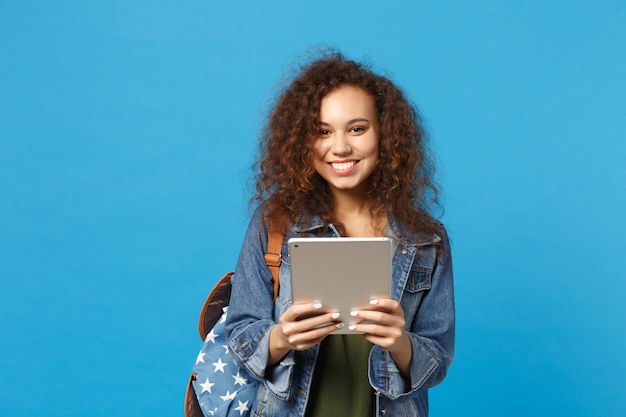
(219, 296)
(273, 255)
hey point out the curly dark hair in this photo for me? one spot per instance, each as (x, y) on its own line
(402, 181)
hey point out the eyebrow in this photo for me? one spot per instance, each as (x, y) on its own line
(351, 121)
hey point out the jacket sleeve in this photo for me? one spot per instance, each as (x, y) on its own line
(431, 333)
(251, 311)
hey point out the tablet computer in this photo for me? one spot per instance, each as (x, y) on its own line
(341, 272)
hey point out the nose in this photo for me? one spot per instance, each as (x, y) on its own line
(341, 144)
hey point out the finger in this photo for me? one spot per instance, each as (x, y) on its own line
(376, 329)
(377, 323)
(384, 336)
(301, 326)
(303, 310)
(384, 304)
(307, 339)
(320, 320)
(389, 343)
(379, 317)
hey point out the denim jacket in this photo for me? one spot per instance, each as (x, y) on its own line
(421, 280)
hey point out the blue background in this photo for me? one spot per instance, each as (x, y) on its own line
(127, 131)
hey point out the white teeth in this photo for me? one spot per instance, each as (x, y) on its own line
(342, 166)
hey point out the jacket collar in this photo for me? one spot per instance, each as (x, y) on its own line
(308, 223)
(311, 223)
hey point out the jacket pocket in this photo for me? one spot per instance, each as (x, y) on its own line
(417, 283)
(419, 279)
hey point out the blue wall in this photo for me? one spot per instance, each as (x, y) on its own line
(127, 129)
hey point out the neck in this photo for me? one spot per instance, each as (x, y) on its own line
(350, 204)
(354, 213)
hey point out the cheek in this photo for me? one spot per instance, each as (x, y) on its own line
(316, 157)
(372, 149)
(319, 149)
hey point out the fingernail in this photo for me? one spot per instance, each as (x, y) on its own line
(335, 316)
(354, 313)
(317, 305)
(352, 327)
(339, 325)
(373, 301)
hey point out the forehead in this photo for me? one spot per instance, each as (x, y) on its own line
(347, 101)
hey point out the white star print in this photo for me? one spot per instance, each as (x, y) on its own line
(206, 385)
(228, 396)
(211, 336)
(239, 380)
(242, 407)
(219, 365)
(213, 355)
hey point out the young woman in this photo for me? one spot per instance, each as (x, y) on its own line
(343, 154)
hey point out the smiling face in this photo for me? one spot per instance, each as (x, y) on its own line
(346, 148)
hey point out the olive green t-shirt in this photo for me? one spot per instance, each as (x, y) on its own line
(340, 382)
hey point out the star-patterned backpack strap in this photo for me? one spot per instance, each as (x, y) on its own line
(215, 375)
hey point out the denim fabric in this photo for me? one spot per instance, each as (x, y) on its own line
(421, 280)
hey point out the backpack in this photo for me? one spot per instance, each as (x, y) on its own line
(217, 387)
